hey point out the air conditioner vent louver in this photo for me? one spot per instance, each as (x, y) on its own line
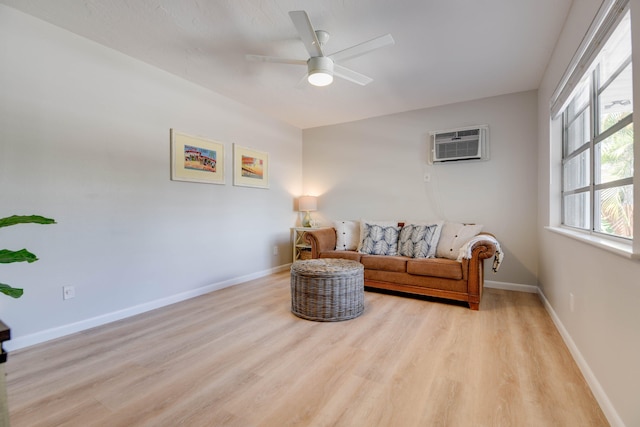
(459, 144)
(458, 149)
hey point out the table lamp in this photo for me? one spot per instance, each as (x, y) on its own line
(307, 204)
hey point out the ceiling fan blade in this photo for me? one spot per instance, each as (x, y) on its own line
(362, 48)
(307, 33)
(350, 75)
(303, 82)
(260, 58)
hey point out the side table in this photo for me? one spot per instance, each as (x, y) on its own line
(301, 249)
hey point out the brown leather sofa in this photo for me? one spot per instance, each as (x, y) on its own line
(436, 277)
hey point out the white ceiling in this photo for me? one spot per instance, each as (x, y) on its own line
(445, 50)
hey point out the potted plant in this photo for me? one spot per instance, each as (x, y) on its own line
(7, 256)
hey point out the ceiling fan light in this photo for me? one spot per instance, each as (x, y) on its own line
(320, 71)
(320, 78)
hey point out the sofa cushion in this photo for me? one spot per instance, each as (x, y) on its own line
(347, 235)
(435, 267)
(412, 283)
(453, 236)
(419, 240)
(378, 239)
(384, 262)
(352, 255)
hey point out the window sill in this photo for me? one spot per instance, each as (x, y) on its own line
(619, 248)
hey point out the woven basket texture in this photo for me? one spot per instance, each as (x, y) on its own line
(327, 290)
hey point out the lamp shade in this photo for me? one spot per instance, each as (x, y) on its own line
(307, 203)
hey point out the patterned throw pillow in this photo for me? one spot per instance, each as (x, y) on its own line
(364, 222)
(418, 241)
(379, 239)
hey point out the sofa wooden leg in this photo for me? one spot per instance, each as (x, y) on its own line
(474, 305)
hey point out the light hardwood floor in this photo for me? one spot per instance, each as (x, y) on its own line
(238, 357)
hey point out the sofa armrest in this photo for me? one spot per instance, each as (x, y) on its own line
(483, 248)
(321, 240)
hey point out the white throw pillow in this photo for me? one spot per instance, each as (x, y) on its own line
(347, 235)
(453, 236)
(419, 240)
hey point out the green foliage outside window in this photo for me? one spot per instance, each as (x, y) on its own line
(616, 162)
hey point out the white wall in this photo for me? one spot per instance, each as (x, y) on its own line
(603, 330)
(374, 169)
(84, 138)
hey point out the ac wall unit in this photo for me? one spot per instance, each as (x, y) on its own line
(469, 143)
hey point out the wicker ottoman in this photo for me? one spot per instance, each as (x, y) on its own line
(327, 290)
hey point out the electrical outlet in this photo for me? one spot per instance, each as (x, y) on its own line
(275, 250)
(572, 302)
(68, 292)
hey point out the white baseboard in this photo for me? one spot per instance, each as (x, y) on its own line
(71, 328)
(511, 286)
(597, 390)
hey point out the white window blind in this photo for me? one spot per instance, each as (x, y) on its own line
(608, 16)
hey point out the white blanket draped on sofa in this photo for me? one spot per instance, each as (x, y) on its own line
(465, 250)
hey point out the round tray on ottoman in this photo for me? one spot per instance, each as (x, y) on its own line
(327, 289)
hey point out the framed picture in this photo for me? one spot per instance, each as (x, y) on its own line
(250, 167)
(196, 159)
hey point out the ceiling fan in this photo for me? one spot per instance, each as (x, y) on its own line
(320, 67)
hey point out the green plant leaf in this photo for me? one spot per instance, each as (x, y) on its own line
(12, 292)
(7, 256)
(25, 219)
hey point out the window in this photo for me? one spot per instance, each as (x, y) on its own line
(597, 142)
